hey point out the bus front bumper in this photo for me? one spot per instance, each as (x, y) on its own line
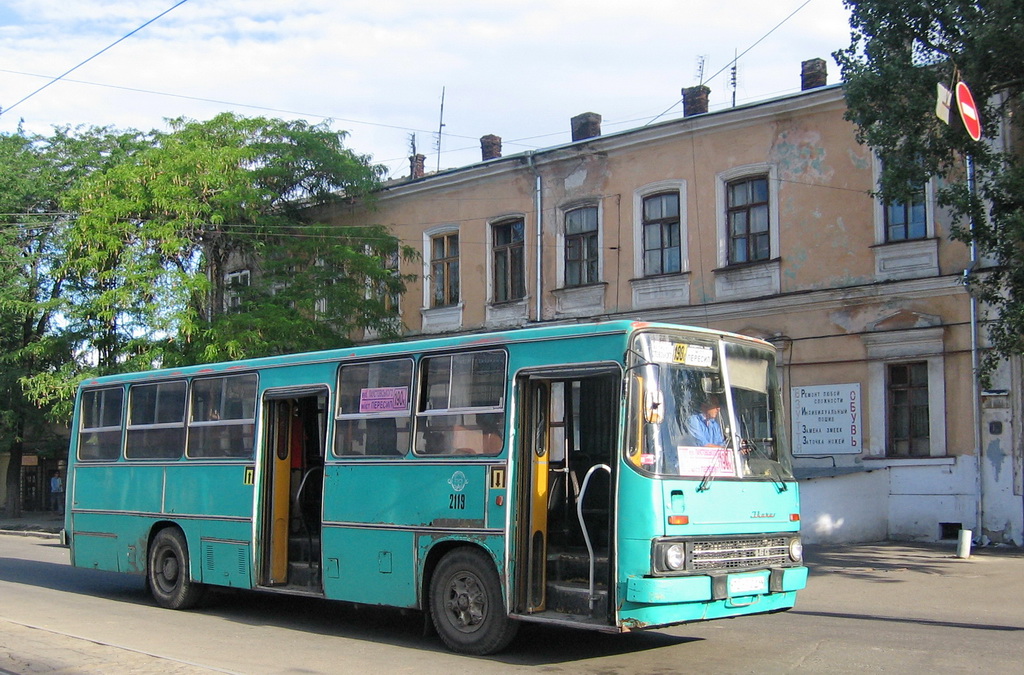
(737, 587)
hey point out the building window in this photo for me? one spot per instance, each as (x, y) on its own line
(907, 220)
(444, 269)
(908, 422)
(508, 260)
(235, 282)
(661, 234)
(747, 220)
(582, 252)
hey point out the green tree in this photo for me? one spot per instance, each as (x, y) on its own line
(156, 234)
(900, 50)
(34, 172)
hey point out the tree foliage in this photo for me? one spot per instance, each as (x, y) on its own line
(34, 173)
(131, 265)
(900, 50)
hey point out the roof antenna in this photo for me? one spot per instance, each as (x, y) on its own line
(733, 76)
(701, 60)
(440, 128)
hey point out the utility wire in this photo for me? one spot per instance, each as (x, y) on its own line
(112, 44)
(735, 59)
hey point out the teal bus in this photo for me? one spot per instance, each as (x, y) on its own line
(548, 474)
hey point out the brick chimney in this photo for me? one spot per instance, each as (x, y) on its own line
(490, 147)
(416, 169)
(695, 100)
(813, 74)
(586, 125)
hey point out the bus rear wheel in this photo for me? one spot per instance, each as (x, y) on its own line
(466, 604)
(168, 574)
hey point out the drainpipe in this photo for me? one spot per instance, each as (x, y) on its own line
(975, 392)
(538, 206)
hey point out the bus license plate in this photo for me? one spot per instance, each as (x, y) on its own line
(747, 585)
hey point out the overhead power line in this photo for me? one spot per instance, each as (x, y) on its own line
(82, 63)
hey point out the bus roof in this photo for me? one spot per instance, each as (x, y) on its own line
(414, 345)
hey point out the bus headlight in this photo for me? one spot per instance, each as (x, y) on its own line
(675, 557)
(668, 556)
(796, 549)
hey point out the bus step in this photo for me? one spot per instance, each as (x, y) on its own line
(301, 547)
(304, 574)
(574, 565)
(574, 598)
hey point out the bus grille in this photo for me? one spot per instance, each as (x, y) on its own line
(731, 554)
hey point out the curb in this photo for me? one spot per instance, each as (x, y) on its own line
(31, 533)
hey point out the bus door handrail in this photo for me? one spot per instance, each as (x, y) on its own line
(583, 525)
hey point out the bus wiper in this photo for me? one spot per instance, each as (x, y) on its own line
(709, 474)
(752, 448)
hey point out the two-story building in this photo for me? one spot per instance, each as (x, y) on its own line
(757, 219)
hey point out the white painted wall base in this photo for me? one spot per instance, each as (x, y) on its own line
(909, 501)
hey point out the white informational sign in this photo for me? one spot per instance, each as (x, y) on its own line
(826, 419)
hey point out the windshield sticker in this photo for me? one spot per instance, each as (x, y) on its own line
(662, 352)
(384, 399)
(694, 355)
(701, 461)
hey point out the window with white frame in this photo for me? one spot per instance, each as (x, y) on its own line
(582, 247)
(906, 386)
(906, 244)
(747, 215)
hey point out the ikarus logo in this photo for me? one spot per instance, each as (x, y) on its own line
(761, 514)
(458, 481)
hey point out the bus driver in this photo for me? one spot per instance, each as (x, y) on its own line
(705, 427)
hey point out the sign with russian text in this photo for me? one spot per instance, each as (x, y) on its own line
(826, 419)
(384, 399)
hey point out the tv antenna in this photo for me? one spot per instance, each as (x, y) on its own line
(701, 60)
(734, 76)
(440, 129)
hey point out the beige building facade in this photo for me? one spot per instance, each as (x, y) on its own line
(759, 220)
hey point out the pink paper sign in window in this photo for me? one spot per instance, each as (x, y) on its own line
(384, 399)
(701, 461)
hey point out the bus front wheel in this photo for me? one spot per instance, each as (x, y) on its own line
(466, 604)
(168, 574)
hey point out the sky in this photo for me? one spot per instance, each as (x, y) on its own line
(520, 69)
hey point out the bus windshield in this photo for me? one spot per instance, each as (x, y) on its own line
(707, 409)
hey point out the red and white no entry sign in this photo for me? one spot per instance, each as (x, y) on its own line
(968, 110)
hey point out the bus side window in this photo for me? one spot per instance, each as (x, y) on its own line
(461, 410)
(373, 413)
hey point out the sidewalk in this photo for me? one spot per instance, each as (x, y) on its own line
(33, 523)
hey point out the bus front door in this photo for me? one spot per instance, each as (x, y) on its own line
(569, 427)
(292, 494)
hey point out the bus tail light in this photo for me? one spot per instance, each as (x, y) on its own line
(679, 520)
(794, 517)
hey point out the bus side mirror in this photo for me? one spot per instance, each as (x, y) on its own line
(654, 406)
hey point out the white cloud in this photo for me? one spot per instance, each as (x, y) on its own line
(519, 70)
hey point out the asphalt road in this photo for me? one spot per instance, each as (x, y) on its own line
(875, 608)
